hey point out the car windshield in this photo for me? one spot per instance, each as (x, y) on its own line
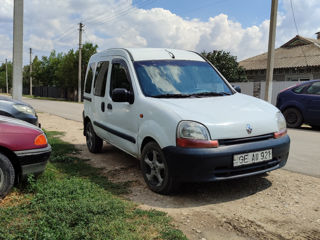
(179, 79)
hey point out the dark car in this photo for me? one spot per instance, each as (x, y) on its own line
(24, 150)
(301, 104)
(18, 109)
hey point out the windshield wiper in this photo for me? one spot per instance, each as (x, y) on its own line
(171, 95)
(209, 94)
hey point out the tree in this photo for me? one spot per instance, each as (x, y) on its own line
(3, 75)
(227, 65)
(59, 69)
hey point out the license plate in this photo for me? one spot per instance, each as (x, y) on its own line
(252, 157)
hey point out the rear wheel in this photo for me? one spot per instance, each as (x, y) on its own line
(155, 170)
(7, 175)
(94, 143)
(316, 127)
(293, 117)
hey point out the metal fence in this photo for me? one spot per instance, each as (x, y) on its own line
(69, 94)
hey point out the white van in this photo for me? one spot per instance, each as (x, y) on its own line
(176, 113)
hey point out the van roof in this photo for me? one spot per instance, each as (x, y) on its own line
(142, 54)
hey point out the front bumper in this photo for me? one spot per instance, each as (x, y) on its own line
(214, 164)
(33, 161)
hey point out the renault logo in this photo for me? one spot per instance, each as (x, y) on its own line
(249, 129)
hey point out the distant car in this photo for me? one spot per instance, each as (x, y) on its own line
(24, 150)
(301, 104)
(18, 109)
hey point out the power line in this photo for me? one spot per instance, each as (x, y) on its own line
(102, 17)
(120, 13)
(295, 23)
(294, 18)
(123, 13)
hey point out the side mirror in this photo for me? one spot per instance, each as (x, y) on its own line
(122, 95)
(238, 89)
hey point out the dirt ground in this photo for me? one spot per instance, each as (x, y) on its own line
(278, 205)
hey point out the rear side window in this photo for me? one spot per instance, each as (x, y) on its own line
(87, 88)
(119, 78)
(314, 88)
(101, 79)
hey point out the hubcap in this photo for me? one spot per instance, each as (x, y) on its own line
(1, 177)
(155, 168)
(292, 118)
(89, 136)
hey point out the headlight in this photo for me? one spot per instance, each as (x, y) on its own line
(192, 130)
(282, 125)
(193, 134)
(24, 109)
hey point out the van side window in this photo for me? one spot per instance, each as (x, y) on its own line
(89, 77)
(101, 79)
(119, 78)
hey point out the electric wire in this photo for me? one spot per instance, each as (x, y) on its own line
(296, 26)
(110, 19)
(103, 19)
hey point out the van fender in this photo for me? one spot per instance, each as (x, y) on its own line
(152, 129)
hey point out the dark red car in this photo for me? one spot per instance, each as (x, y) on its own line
(24, 150)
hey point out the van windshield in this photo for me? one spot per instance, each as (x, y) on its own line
(180, 78)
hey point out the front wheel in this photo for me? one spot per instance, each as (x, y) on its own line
(155, 170)
(94, 143)
(293, 117)
(7, 176)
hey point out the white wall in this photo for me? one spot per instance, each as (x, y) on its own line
(247, 88)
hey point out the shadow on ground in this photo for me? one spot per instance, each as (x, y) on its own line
(121, 167)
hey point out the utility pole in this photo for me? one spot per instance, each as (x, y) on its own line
(30, 71)
(7, 77)
(80, 56)
(272, 37)
(17, 49)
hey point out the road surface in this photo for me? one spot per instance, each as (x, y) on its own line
(68, 110)
(305, 143)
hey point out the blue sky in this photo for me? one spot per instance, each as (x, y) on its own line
(247, 12)
(238, 26)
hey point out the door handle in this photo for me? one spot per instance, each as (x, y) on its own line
(102, 106)
(109, 106)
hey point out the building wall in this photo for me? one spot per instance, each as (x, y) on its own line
(257, 89)
(290, 74)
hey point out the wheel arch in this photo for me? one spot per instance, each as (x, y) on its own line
(145, 141)
(14, 161)
(85, 121)
(291, 104)
(152, 131)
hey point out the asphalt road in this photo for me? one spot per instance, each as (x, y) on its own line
(68, 110)
(304, 154)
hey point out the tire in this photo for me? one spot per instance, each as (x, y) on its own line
(155, 170)
(94, 143)
(293, 117)
(7, 176)
(316, 127)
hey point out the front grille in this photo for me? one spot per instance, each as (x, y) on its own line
(245, 140)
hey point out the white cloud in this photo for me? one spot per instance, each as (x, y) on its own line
(117, 23)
